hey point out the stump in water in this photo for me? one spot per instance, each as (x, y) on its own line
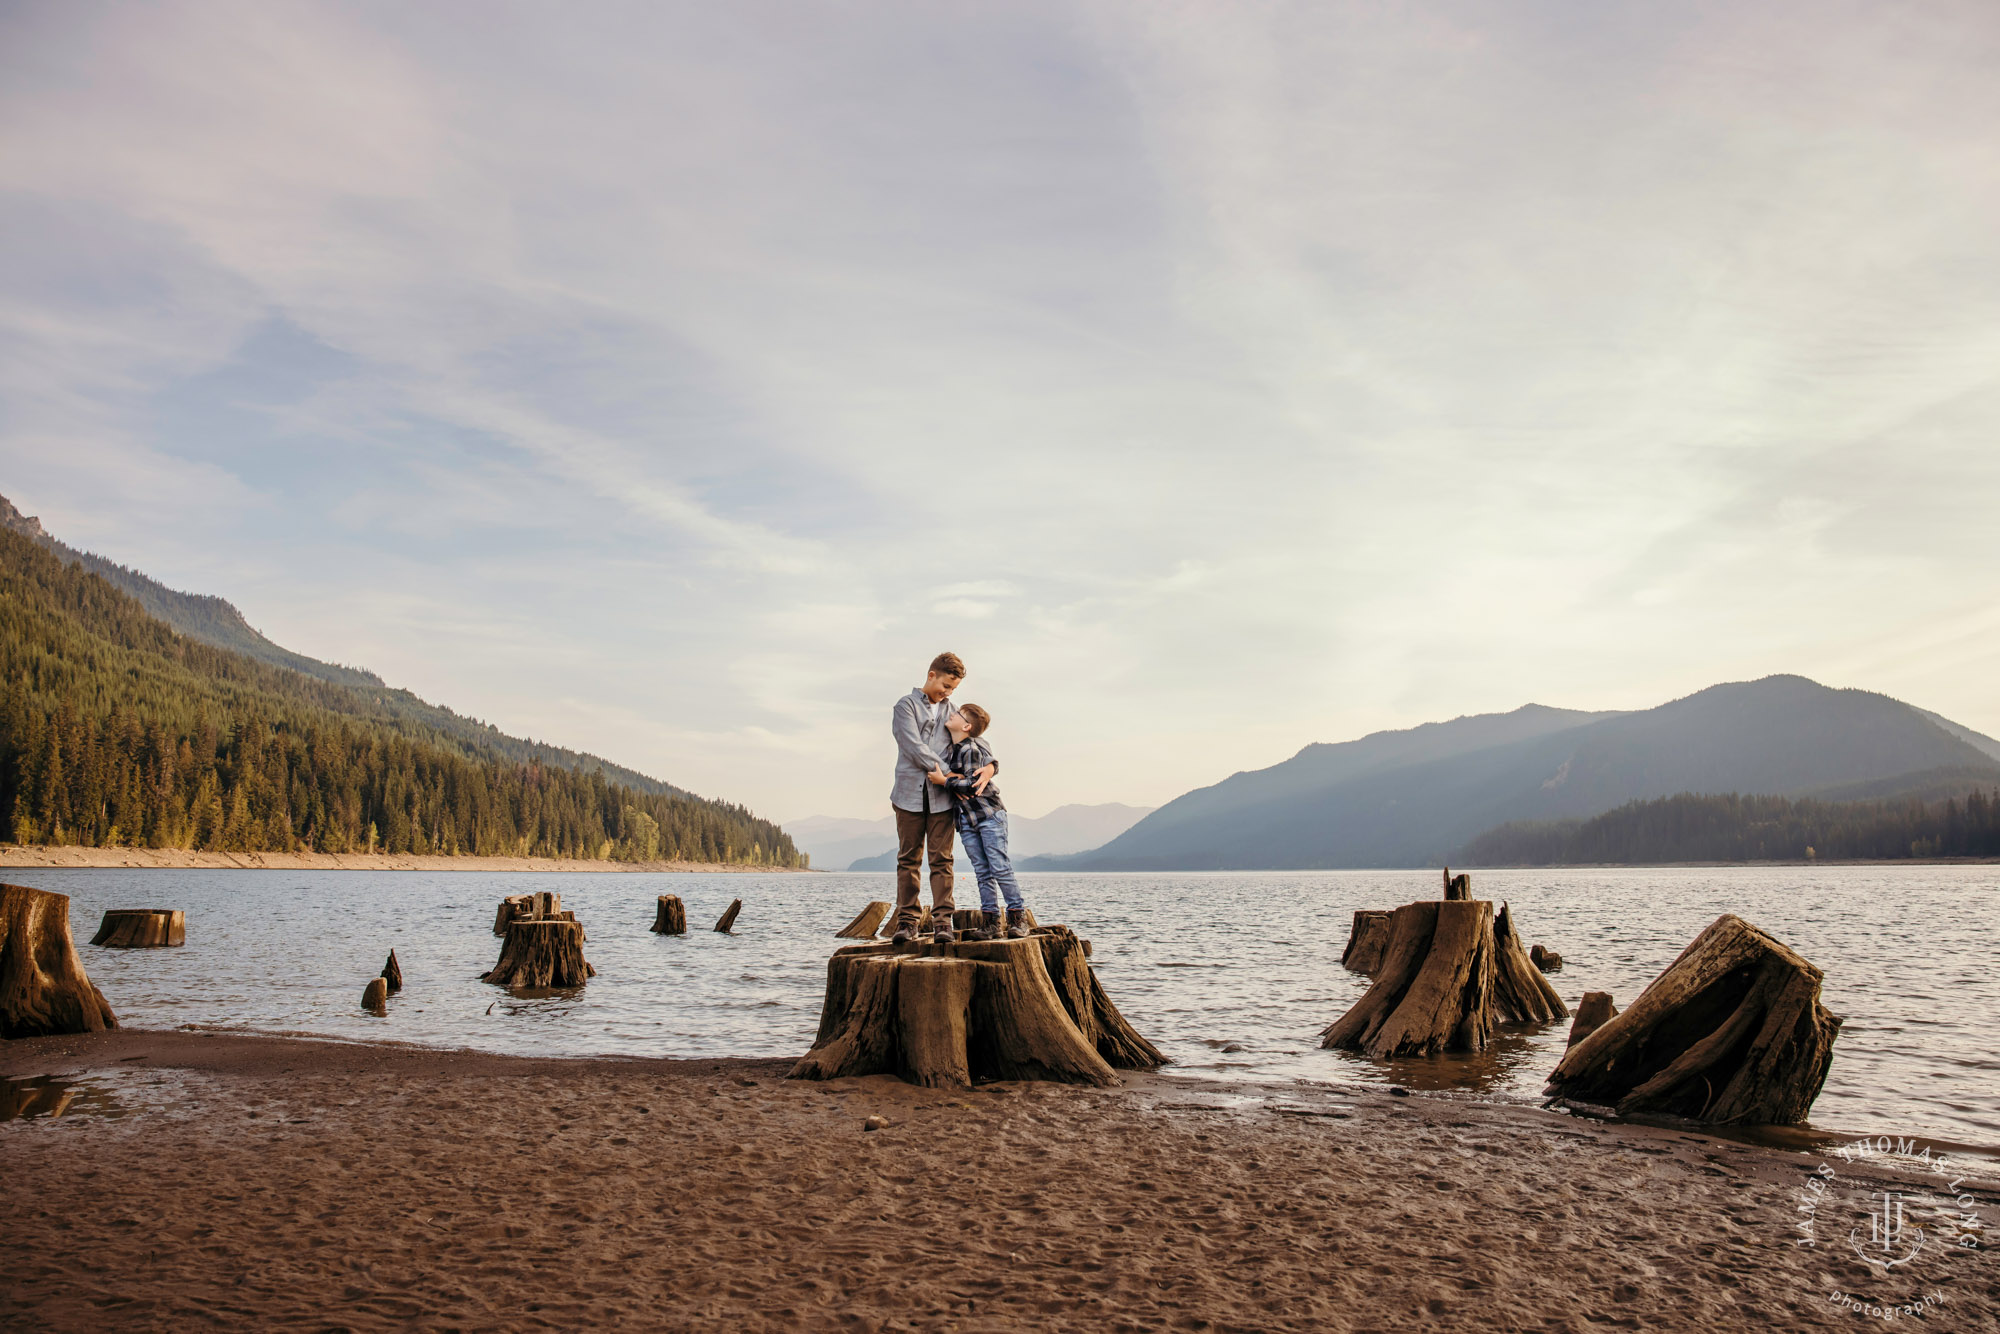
(1066, 958)
(392, 973)
(1592, 1013)
(865, 924)
(141, 928)
(546, 952)
(43, 988)
(1365, 941)
(670, 916)
(1545, 960)
(728, 919)
(375, 996)
(528, 908)
(1434, 991)
(1456, 887)
(1732, 1032)
(1521, 994)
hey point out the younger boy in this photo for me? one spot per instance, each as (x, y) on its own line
(982, 825)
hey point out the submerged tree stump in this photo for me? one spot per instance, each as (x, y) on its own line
(545, 953)
(375, 996)
(1521, 994)
(865, 924)
(1434, 991)
(141, 928)
(1592, 1013)
(43, 988)
(392, 973)
(1732, 1032)
(972, 1011)
(1365, 941)
(1545, 960)
(728, 918)
(670, 916)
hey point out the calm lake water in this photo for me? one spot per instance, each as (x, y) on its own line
(1230, 974)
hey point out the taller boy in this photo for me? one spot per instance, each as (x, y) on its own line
(923, 807)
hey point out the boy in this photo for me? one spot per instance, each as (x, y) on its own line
(982, 824)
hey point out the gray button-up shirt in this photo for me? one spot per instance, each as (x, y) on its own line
(921, 741)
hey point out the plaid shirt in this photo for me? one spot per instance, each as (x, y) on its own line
(968, 757)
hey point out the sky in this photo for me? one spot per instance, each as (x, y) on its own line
(673, 381)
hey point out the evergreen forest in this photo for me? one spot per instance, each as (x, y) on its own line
(117, 730)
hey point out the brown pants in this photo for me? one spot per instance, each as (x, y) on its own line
(913, 830)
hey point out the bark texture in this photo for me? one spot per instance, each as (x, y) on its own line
(43, 988)
(542, 953)
(865, 924)
(141, 928)
(1434, 991)
(670, 916)
(1521, 995)
(1365, 941)
(1732, 1032)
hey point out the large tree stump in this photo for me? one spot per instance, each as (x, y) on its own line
(1067, 960)
(1732, 1032)
(1592, 1013)
(670, 916)
(865, 924)
(43, 988)
(728, 918)
(991, 1012)
(546, 953)
(1434, 991)
(1521, 994)
(1365, 941)
(141, 928)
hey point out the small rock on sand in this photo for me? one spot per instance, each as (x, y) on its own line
(875, 1123)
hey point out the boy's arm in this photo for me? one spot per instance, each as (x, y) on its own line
(903, 726)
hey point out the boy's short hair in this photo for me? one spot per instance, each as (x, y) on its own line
(948, 664)
(979, 718)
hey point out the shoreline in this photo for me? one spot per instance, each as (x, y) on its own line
(36, 856)
(264, 1181)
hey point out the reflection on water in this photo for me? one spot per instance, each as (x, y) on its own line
(45, 1095)
(1231, 975)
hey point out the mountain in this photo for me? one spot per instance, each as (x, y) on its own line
(870, 845)
(1416, 797)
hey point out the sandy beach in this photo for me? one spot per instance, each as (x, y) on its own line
(21, 855)
(271, 1183)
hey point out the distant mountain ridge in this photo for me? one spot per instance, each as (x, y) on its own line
(1417, 797)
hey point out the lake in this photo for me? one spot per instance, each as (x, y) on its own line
(1231, 974)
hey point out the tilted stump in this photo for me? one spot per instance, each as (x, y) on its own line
(670, 916)
(947, 1016)
(392, 973)
(543, 945)
(43, 988)
(141, 928)
(728, 918)
(866, 922)
(1732, 1032)
(1365, 941)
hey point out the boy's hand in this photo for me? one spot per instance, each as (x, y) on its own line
(985, 773)
(940, 777)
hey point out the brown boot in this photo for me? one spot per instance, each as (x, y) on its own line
(1017, 924)
(941, 932)
(988, 928)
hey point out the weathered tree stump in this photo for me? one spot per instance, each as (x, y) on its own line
(1592, 1013)
(392, 973)
(1434, 991)
(1065, 956)
(728, 918)
(546, 952)
(992, 1011)
(1521, 994)
(1456, 887)
(375, 996)
(1545, 960)
(865, 924)
(670, 916)
(1365, 940)
(141, 928)
(1732, 1032)
(43, 988)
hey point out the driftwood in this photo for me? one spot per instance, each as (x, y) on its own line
(1732, 1032)
(1592, 1013)
(670, 916)
(1365, 940)
(1545, 960)
(972, 1011)
(392, 973)
(43, 988)
(375, 996)
(728, 918)
(1521, 995)
(865, 924)
(1434, 991)
(141, 928)
(547, 952)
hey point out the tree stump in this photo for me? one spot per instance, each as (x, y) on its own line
(947, 1015)
(141, 928)
(1365, 941)
(1434, 991)
(865, 924)
(1521, 995)
(728, 918)
(965, 919)
(546, 952)
(1732, 1032)
(670, 916)
(1592, 1013)
(392, 973)
(375, 996)
(1545, 960)
(1066, 959)
(1456, 887)
(43, 988)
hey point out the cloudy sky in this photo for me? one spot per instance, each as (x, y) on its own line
(673, 381)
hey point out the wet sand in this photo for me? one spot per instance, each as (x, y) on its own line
(19, 855)
(265, 1182)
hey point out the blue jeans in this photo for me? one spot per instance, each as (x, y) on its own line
(985, 844)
